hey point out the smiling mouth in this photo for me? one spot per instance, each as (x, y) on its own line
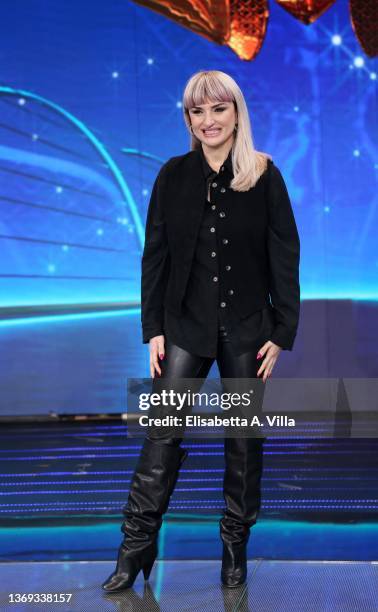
(212, 132)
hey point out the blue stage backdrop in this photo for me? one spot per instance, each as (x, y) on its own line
(90, 98)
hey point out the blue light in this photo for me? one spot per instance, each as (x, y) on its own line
(359, 62)
(67, 317)
(336, 40)
(94, 455)
(144, 154)
(187, 470)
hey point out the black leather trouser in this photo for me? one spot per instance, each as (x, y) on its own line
(179, 363)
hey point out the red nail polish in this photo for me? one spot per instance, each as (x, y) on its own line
(161, 356)
(258, 356)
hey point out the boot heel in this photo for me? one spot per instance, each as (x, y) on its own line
(158, 465)
(147, 570)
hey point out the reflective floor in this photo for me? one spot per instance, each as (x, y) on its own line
(178, 586)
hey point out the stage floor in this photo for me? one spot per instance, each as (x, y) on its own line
(273, 586)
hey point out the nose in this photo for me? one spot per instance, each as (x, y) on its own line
(208, 122)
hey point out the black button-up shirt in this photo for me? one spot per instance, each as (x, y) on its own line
(208, 303)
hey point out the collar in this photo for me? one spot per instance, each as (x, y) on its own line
(207, 170)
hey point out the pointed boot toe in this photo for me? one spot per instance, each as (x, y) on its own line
(152, 484)
(128, 567)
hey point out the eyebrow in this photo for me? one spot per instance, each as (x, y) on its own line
(213, 106)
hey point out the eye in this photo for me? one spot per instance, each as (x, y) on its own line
(220, 108)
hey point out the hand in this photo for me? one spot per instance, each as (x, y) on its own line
(156, 352)
(270, 352)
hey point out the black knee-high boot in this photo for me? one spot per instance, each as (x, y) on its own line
(152, 485)
(242, 495)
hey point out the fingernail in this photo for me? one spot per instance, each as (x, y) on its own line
(258, 356)
(161, 356)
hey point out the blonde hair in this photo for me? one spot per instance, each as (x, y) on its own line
(214, 85)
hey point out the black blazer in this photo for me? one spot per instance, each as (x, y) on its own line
(262, 242)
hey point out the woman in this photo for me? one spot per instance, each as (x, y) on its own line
(220, 281)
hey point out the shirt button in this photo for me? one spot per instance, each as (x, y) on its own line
(222, 190)
(213, 207)
(225, 241)
(215, 279)
(214, 185)
(222, 214)
(223, 304)
(228, 268)
(212, 229)
(230, 292)
(213, 254)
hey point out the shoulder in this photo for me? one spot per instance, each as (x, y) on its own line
(277, 188)
(274, 174)
(175, 163)
(169, 168)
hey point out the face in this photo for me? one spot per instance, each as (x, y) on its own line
(213, 123)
